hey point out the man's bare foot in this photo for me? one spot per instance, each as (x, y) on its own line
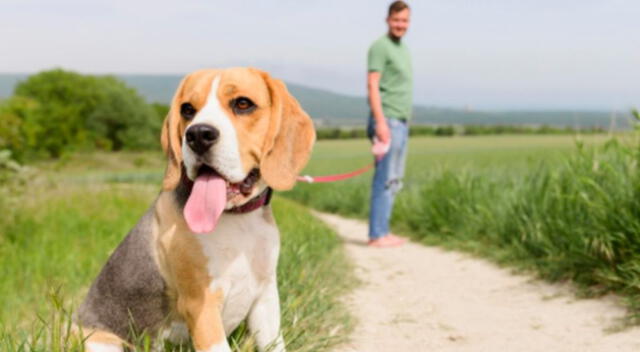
(396, 238)
(387, 241)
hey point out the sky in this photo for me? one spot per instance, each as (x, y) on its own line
(478, 54)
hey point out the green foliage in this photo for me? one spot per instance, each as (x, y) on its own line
(123, 118)
(161, 110)
(578, 220)
(65, 99)
(58, 111)
(444, 131)
(14, 128)
(462, 130)
(8, 166)
(57, 233)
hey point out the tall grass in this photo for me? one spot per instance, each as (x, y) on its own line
(577, 220)
(574, 218)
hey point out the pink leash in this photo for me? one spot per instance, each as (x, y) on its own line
(333, 178)
(378, 149)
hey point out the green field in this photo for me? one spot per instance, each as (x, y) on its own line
(62, 219)
(493, 157)
(455, 152)
(565, 208)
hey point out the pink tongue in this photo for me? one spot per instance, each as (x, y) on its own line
(206, 203)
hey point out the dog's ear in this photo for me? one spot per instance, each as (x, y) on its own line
(289, 139)
(171, 139)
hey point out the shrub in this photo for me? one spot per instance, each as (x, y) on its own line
(70, 111)
(13, 113)
(123, 118)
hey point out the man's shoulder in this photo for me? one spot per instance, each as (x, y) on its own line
(381, 43)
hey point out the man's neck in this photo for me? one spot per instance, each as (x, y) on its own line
(394, 38)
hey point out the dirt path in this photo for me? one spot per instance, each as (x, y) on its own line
(418, 298)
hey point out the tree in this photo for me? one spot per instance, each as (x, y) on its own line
(123, 118)
(77, 111)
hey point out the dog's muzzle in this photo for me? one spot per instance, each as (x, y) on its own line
(201, 137)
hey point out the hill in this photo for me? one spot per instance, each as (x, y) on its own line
(330, 108)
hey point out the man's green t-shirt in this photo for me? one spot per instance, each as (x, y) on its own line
(393, 61)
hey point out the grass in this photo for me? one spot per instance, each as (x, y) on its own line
(494, 157)
(565, 208)
(59, 228)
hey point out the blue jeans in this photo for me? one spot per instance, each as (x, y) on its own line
(387, 179)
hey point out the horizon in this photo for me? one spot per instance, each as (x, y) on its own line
(306, 86)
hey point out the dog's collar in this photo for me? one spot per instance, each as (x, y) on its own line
(258, 201)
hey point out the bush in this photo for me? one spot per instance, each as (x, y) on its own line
(161, 110)
(123, 119)
(421, 131)
(63, 111)
(451, 130)
(444, 131)
(13, 113)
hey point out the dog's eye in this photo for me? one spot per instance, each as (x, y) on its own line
(187, 111)
(242, 105)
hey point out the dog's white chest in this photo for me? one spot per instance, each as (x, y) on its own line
(242, 256)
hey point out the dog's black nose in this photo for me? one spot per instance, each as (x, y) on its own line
(201, 137)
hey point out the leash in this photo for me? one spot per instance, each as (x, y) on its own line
(334, 178)
(378, 149)
(338, 177)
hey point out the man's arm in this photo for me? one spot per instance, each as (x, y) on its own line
(373, 87)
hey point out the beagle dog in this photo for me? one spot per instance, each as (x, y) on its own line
(203, 258)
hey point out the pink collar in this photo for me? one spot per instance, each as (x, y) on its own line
(257, 202)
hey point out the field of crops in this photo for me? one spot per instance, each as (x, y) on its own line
(61, 220)
(567, 208)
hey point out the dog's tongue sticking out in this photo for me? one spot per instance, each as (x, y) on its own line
(206, 203)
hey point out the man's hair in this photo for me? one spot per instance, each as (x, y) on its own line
(396, 7)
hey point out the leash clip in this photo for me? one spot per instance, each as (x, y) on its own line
(307, 179)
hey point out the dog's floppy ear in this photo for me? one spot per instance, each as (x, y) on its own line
(289, 140)
(171, 139)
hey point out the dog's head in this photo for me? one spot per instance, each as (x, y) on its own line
(238, 126)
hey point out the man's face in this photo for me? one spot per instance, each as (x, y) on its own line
(398, 23)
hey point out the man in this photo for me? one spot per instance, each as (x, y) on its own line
(389, 82)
